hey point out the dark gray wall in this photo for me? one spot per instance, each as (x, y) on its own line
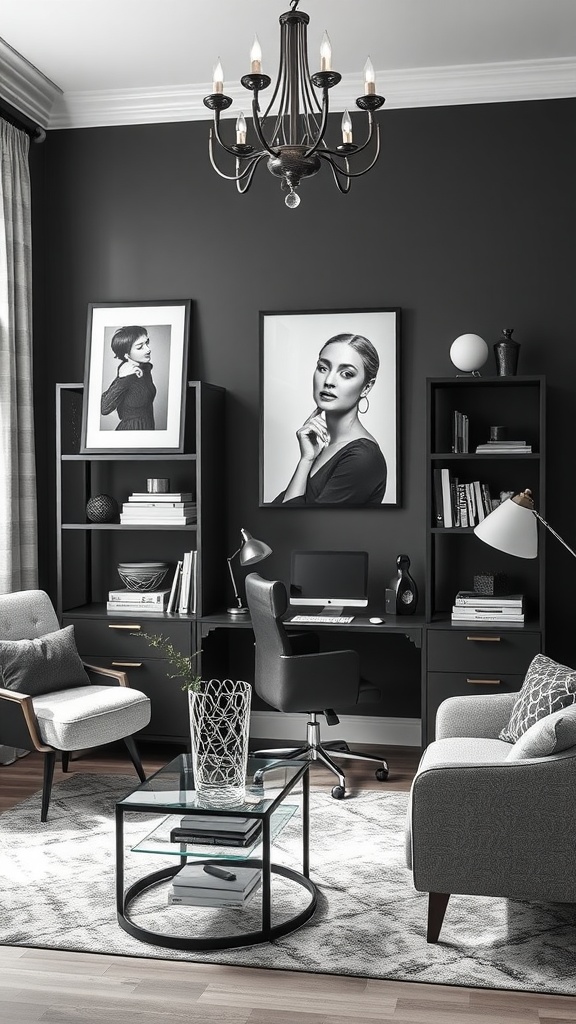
(468, 223)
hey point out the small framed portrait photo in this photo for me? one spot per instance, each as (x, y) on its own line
(135, 377)
(329, 408)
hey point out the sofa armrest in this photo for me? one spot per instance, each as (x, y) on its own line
(113, 673)
(497, 829)
(18, 723)
(481, 715)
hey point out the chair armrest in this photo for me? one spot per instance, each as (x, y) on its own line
(112, 673)
(497, 829)
(481, 715)
(18, 723)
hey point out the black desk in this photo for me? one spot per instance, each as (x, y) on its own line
(410, 626)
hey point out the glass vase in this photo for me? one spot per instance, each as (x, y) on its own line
(219, 728)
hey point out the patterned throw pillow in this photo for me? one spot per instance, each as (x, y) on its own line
(547, 687)
(44, 665)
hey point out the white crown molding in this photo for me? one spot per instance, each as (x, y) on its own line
(391, 732)
(29, 91)
(416, 87)
(26, 88)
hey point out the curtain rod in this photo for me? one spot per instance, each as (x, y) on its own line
(19, 120)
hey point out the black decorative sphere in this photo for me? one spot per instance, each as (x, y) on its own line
(102, 509)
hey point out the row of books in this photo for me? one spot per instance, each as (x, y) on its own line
(460, 504)
(180, 597)
(472, 607)
(168, 509)
(460, 432)
(461, 440)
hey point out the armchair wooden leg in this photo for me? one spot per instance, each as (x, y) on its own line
(135, 757)
(65, 760)
(437, 903)
(49, 762)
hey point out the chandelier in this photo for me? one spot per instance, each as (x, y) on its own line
(290, 133)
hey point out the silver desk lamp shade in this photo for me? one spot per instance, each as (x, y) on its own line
(512, 527)
(250, 551)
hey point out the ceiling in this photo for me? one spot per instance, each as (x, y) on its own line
(72, 62)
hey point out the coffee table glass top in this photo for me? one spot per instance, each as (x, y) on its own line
(172, 788)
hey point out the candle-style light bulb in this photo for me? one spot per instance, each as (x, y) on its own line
(325, 54)
(240, 130)
(369, 78)
(346, 128)
(256, 57)
(218, 78)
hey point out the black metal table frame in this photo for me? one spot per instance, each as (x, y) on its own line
(268, 932)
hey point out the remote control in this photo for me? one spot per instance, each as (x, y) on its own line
(213, 869)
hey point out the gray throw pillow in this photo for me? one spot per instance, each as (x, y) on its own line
(44, 665)
(548, 736)
(547, 687)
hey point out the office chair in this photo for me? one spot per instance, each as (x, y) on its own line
(292, 675)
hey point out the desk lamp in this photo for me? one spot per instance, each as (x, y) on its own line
(250, 551)
(511, 527)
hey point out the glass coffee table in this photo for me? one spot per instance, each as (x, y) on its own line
(171, 792)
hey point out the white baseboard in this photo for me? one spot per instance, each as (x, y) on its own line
(396, 732)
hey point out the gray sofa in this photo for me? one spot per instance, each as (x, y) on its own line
(484, 820)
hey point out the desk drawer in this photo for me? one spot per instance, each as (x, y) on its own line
(114, 635)
(481, 650)
(169, 703)
(457, 684)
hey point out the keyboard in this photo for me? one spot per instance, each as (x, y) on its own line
(338, 620)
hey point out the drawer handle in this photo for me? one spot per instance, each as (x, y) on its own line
(128, 625)
(473, 682)
(126, 664)
(486, 639)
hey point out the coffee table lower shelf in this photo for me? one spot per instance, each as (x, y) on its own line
(267, 933)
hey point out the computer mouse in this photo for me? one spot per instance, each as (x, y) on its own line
(376, 621)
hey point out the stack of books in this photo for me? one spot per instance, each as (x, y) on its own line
(193, 886)
(137, 600)
(207, 829)
(169, 509)
(503, 448)
(472, 607)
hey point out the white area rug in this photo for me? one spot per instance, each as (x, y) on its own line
(58, 893)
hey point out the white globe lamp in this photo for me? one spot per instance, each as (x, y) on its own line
(469, 352)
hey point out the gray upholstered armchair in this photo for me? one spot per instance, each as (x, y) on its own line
(50, 700)
(482, 824)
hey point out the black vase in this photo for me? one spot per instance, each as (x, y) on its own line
(506, 352)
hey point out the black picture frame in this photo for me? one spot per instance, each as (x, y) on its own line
(136, 421)
(290, 343)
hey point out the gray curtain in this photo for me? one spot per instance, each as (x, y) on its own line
(18, 533)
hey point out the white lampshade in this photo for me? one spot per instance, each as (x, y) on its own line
(512, 528)
(469, 352)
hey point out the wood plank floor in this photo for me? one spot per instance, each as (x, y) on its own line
(56, 987)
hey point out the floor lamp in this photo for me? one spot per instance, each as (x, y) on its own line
(250, 552)
(512, 528)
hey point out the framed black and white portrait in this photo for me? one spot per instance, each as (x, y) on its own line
(329, 408)
(135, 377)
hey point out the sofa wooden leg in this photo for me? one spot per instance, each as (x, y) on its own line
(437, 903)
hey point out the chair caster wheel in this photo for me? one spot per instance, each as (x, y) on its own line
(338, 792)
(382, 774)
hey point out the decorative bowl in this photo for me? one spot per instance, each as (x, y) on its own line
(142, 575)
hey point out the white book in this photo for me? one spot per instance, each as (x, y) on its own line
(193, 876)
(446, 498)
(174, 496)
(142, 609)
(184, 509)
(175, 589)
(471, 598)
(193, 582)
(156, 521)
(184, 603)
(156, 597)
(472, 615)
(175, 899)
(130, 504)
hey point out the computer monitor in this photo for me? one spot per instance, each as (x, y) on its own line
(329, 579)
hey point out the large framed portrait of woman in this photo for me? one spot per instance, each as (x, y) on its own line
(329, 408)
(135, 378)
